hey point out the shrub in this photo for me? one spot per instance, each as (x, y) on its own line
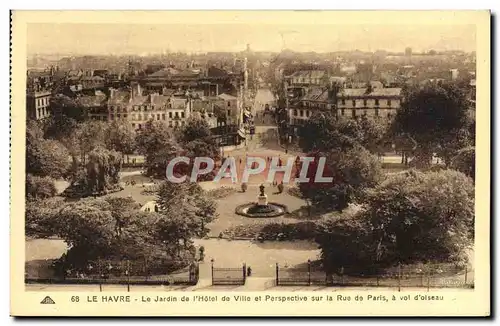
(275, 231)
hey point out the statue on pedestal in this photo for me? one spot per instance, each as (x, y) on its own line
(262, 190)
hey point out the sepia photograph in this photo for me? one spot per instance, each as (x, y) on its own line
(245, 157)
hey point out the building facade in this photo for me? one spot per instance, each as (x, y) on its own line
(318, 99)
(37, 104)
(373, 103)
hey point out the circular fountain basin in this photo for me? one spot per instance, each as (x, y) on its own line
(256, 210)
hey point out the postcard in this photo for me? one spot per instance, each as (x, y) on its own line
(250, 163)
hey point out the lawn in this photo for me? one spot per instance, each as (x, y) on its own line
(135, 192)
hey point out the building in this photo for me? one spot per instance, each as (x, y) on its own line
(306, 78)
(300, 82)
(37, 104)
(95, 106)
(38, 94)
(408, 52)
(231, 107)
(317, 99)
(374, 103)
(453, 74)
(178, 110)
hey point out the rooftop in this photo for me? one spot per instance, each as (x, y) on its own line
(316, 94)
(376, 92)
(308, 74)
(92, 101)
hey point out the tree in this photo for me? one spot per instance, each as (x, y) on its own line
(113, 229)
(465, 161)
(352, 171)
(88, 227)
(102, 170)
(190, 202)
(373, 135)
(195, 129)
(158, 145)
(422, 217)
(39, 187)
(41, 216)
(44, 157)
(409, 218)
(452, 144)
(323, 132)
(122, 210)
(120, 136)
(430, 115)
(91, 134)
(65, 106)
(346, 242)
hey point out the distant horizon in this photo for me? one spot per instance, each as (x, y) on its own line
(65, 55)
(76, 39)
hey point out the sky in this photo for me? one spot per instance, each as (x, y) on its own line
(90, 38)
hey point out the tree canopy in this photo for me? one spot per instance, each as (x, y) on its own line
(352, 171)
(158, 145)
(433, 116)
(44, 157)
(195, 129)
(324, 132)
(412, 217)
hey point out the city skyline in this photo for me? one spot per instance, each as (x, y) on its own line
(146, 39)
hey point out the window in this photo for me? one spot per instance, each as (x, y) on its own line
(158, 116)
(125, 116)
(183, 115)
(353, 112)
(170, 115)
(343, 101)
(301, 113)
(177, 114)
(111, 117)
(376, 112)
(389, 115)
(364, 113)
(163, 116)
(228, 104)
(353, 103)
(170, 123)
(365, 102)
(118, 116)
(183, 123)
(295, 113)
(376, 101)
(342, 111)
(133, 125)
(308, 113)
(140, 126)
(388, 103)
(177, 123)
(228, 113)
